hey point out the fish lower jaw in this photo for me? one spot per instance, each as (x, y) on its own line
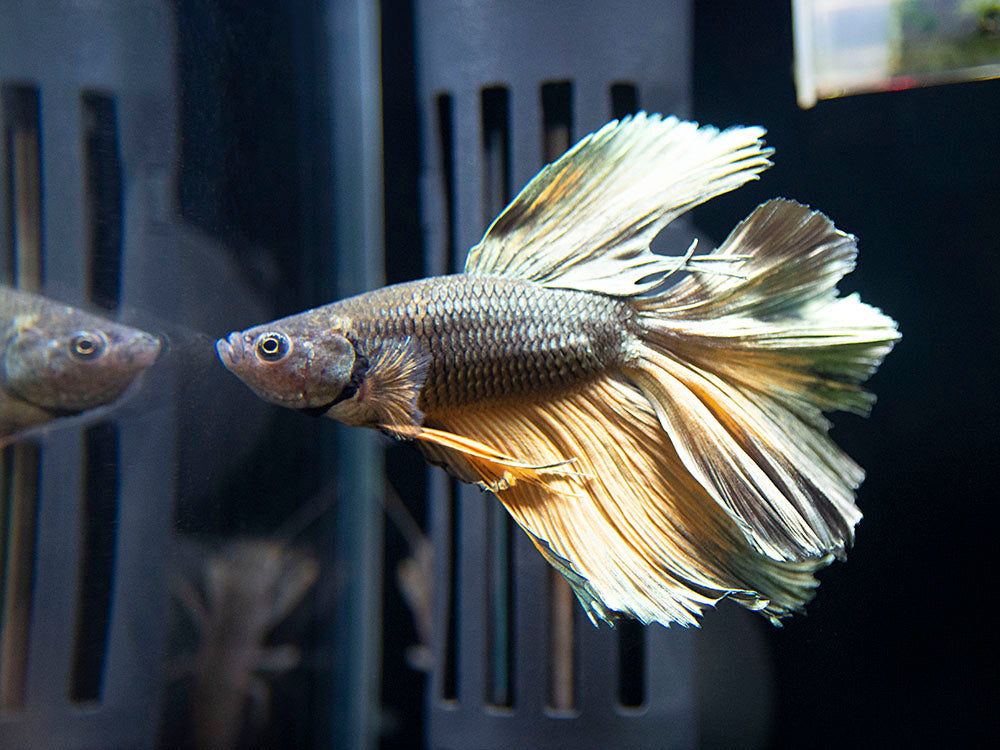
(294, 401)
(298, 400)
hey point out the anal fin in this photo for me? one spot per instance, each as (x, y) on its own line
(625, 523)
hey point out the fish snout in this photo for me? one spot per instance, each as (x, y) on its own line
(154, 346)
(159, 345)
(144, 349)
(230, 349)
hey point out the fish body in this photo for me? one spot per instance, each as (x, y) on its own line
(58, 360)
(664, 446)
(472, 340)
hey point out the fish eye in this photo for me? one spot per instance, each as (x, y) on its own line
(272, 346)
(87, 344)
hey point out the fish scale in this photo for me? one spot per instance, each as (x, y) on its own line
(491, 338)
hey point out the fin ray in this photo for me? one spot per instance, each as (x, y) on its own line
(493, 469)
(390, 389)
(632, 530)
(740, 372)
(586, 220)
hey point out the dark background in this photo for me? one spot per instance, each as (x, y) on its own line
(893, 651)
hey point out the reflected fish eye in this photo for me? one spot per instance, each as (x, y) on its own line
(272, 347)
(87, 345)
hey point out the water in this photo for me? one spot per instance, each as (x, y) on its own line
(195, 199)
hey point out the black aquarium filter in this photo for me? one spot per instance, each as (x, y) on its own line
(89, 137)
(90, 161)
(504, 88)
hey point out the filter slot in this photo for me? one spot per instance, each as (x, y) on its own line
(557, 127)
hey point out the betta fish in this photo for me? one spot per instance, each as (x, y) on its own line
(664, 445)
(59, 361)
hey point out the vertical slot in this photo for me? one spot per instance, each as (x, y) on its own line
(20, 506)
(495, 107)
(446, 137)
(22, 145)
(496, 152)
(6, 192)
(562, 644)
(624, 100)
(500, 620)
(557, 126)
(500, 596)
(449, 667)
(449, 678)
(20, 464)
(102, 198)
(631, 634)
(103, 217)
(557, 119)
(631, 664)
(97, 561)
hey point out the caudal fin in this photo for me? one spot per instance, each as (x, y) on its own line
(741, 369)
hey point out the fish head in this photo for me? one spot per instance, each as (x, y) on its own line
(304, 362)
(69, 361)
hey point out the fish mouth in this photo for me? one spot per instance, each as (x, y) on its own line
(152, 347)
(160, 345)
(228, 348)
(144, 350)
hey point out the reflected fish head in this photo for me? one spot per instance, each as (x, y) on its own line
(304, 362)
(67, 361)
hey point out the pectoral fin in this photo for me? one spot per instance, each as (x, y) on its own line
(390, 388)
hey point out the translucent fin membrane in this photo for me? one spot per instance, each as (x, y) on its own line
(585, 221)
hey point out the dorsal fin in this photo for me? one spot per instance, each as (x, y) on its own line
(586, 220)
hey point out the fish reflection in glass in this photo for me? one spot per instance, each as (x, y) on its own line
(59, 360)
(663, 445)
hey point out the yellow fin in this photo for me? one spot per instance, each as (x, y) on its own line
(629, 527)
(741, 369)
(585, 221)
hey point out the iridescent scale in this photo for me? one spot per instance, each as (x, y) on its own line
(491, 338)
